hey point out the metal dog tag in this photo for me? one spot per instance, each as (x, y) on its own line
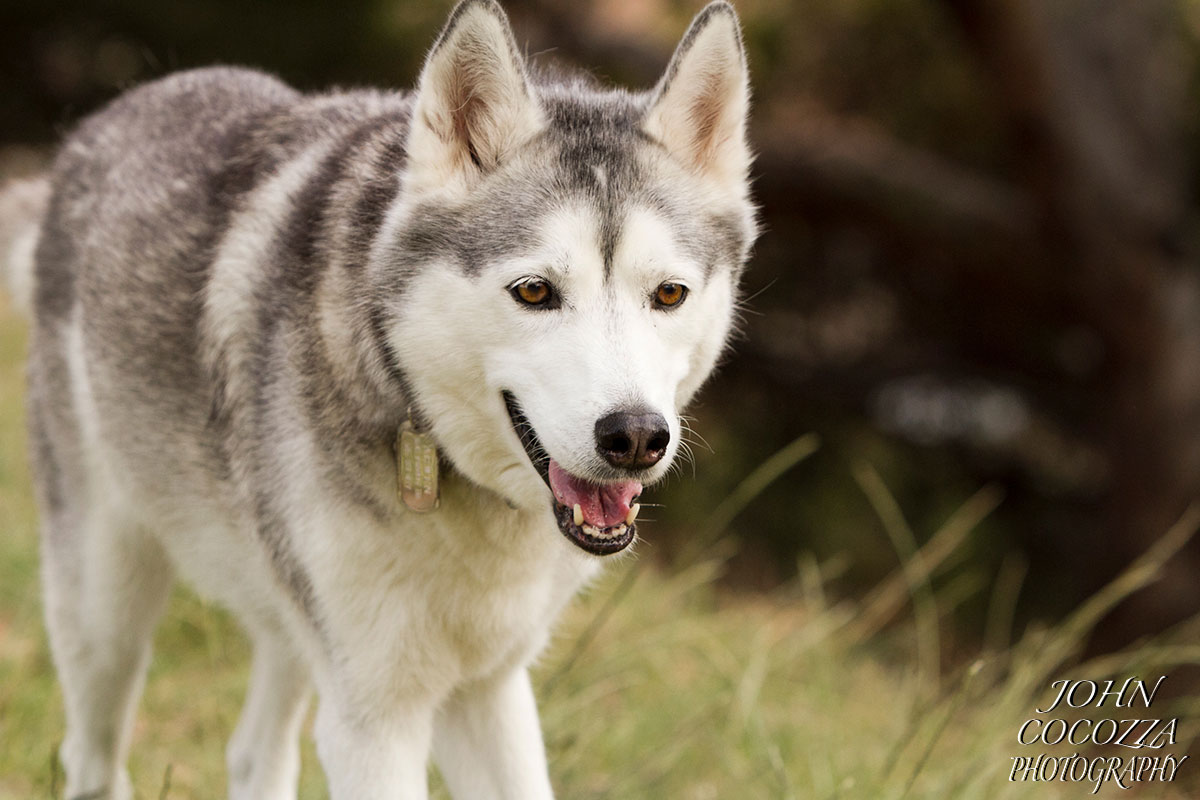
(417, 468)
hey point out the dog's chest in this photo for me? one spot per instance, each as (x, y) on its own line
(446, 598)
(494, 604)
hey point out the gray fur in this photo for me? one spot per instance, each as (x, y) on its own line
(150, 191)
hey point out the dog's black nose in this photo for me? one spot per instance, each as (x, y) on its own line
(632, 439)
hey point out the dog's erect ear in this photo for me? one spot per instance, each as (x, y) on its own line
(474, 103)
(700, 106)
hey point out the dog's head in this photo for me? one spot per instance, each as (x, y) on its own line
(570, 258)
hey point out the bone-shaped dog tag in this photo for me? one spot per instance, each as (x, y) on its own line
(417, 468)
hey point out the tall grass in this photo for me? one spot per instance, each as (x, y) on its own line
(658, 685)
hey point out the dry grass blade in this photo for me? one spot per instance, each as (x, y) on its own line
(953, 707)
(889, 598)
(752, 486)
(1002, 606)
(915, 572)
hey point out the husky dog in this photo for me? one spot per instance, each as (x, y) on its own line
(383, 373)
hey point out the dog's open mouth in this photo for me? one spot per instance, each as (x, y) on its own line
(597, 517)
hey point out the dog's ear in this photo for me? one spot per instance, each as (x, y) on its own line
(699, 108)
(474, 104)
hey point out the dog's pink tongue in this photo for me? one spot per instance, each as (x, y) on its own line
(603, 505)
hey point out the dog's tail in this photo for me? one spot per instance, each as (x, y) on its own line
(22, 207)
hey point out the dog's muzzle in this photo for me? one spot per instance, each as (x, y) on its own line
(599, 518)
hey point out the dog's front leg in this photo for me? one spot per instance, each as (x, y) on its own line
(488, 743)
(369, 755)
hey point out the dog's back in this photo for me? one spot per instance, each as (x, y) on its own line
(124, 254)
(146, 193)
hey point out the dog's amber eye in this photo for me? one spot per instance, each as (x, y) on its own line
(534, 292)
(669, 295)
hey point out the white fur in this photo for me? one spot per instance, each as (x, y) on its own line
(424, 624)
(610, 348)
(101, 644)
(443, 669)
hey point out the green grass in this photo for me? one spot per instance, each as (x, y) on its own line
(658, 685)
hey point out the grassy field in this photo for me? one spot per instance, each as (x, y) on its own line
(658, 685)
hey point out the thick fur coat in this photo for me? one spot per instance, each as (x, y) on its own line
(240, 293)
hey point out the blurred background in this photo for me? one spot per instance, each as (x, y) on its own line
(978, 265)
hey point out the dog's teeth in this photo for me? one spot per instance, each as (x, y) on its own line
(614, 532)
(578, 515)
(633, 512)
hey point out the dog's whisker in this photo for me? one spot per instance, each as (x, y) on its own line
(700, 440)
